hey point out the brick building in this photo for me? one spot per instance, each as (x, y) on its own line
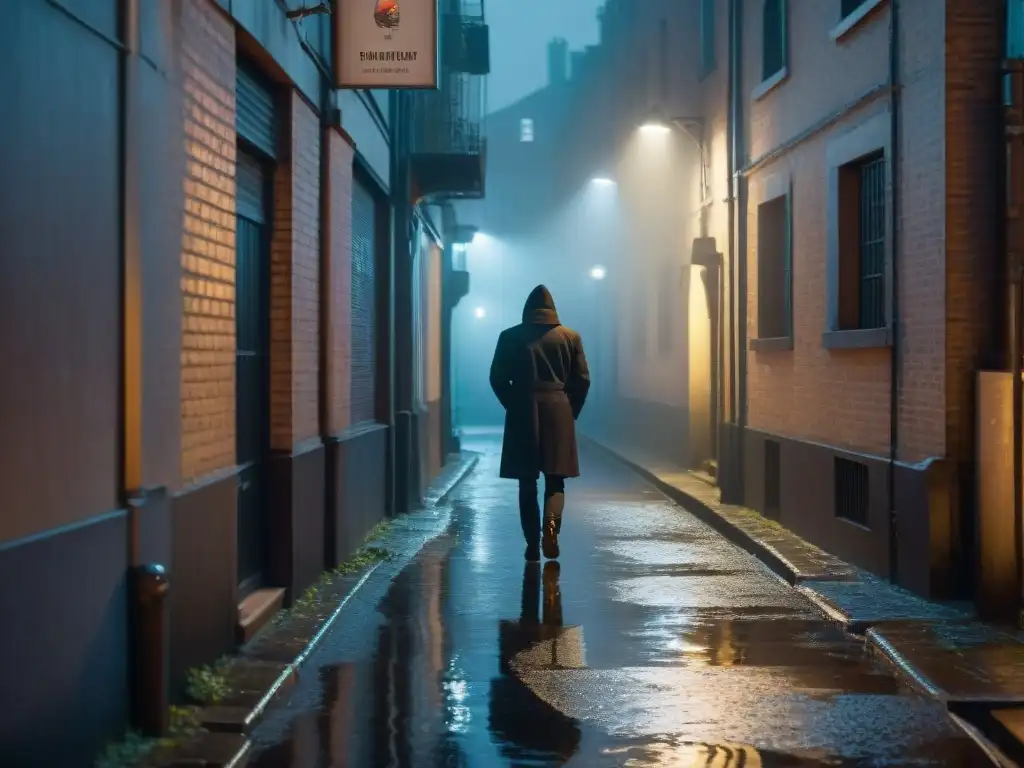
(825, 220)
(226, 324)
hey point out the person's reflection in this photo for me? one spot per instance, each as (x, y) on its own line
(525, 727)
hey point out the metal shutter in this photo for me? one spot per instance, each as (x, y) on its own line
(255, 116)
(364, 305)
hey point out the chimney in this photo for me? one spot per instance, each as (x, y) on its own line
(558, 61)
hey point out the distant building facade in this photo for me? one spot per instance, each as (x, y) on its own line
(839, 235)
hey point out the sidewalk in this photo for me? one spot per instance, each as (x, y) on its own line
(234, 696)
(974, 668)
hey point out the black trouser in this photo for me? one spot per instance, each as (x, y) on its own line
(529, 509)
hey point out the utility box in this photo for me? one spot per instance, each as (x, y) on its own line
(998, 591)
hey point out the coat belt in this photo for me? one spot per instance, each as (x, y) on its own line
(548, 386)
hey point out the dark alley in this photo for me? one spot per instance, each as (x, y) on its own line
(651, 642)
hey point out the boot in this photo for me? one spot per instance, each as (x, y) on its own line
(553, 506)
(529, 519)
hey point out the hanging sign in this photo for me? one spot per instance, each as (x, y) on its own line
(385, 43)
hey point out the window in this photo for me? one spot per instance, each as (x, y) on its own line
(773, 269)
(707, 37)
(773, 38)
(851, 491)
(526, 129)
(848, 7)
(862, 243)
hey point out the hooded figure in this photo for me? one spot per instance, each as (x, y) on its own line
(539, 374)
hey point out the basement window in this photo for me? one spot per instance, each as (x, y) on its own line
(772, 479)
(851, 491)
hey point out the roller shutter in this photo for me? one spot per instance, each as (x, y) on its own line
(255, 116)
(364, 304)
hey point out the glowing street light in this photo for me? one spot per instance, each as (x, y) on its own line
(602, 181)
(480, 313)
(597, 273)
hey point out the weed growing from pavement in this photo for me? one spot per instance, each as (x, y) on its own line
(314, 600)
(137, 750)
(208, 684)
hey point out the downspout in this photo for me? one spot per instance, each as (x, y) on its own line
(740, 192)
(730, 150)
(894, 323)
(326, 332)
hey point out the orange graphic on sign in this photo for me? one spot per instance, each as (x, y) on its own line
(385, 14)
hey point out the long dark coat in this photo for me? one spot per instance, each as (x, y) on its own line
(540, 375)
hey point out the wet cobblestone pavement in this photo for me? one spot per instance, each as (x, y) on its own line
(651, 642)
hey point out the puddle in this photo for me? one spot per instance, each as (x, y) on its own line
(473, 660)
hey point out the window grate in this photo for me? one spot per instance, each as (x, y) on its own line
(772, 479)
(872, 243)
(851, 491)
(773, 44)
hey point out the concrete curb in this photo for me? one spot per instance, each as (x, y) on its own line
(433, 498)
(763, 551)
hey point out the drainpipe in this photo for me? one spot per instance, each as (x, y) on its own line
(730, 155)
(740, 253)
(894, 324)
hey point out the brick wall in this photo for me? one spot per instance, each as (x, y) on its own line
(922, 233)
(974, 150)
(208, 242)
(338, 211)
(295, 283)
(841, 397)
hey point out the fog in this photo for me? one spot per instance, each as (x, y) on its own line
(612, 242)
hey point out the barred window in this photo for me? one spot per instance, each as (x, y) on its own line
(862, 243)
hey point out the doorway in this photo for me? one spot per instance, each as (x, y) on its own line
(252, 360)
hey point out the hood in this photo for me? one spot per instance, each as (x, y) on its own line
(540, 307)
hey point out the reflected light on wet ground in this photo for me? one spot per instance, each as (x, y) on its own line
(652, 642)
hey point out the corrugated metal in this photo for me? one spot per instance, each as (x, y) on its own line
(250, 188)
(1015, 29)
(364, 305)
(255, 117)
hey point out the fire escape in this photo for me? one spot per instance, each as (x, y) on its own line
(447, 145)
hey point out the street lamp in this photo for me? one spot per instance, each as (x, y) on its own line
(479, 313)
(602, 181)
(597, 273)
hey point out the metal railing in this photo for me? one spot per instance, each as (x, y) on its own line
(449, 120)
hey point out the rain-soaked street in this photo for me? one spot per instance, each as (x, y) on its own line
(652, 642)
